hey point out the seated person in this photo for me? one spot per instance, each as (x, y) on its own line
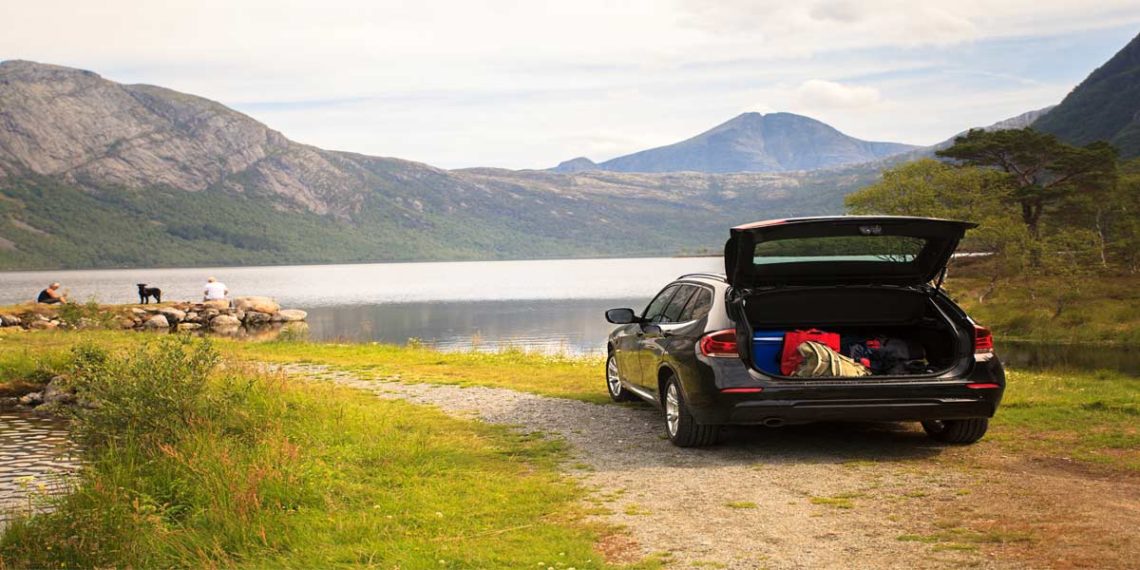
(215, 290)
(51, 295)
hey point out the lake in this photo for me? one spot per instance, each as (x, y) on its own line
(545, 305)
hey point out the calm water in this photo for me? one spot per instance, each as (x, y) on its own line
(35, 459)
(549, 305)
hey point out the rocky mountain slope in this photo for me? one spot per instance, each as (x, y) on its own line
(94, 173)
(752, 142)
(1105, 106)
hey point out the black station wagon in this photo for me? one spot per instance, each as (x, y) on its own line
(705, 350)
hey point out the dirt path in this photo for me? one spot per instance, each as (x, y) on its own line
(824, 496)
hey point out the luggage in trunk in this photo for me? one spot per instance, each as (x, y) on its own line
(915, 336)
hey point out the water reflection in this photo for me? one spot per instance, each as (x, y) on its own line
(568, 325)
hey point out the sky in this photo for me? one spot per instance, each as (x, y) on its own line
(530, 83)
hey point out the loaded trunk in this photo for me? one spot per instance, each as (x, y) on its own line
(933, 337)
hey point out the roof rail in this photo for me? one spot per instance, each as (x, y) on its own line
(716, 276)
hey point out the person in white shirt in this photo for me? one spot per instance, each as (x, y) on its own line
(215, 290)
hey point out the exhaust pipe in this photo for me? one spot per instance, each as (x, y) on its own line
(773, 422)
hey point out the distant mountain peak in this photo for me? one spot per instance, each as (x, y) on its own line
(756, 142)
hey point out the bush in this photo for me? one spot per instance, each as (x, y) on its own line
(149, 397)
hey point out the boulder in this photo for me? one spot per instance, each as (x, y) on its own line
(172, 315)
(218, 304)
(209, 314)
(32, 399)
(57, 393)
(290, 315)
(42, 325)
(157, 322)
(224, 321)
(7, 320)
(191, 317)
(258, 304)
(138, 313)
(257, 318)
(126, 323)
(9, 402)
(188, 326)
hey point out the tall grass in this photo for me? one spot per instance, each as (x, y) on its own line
(189, 465)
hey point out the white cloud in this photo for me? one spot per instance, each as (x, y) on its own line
(820, 94)
(530, 83)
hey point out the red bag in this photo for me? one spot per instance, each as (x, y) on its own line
(790, 359)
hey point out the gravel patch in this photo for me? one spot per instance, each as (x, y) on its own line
(820, 496)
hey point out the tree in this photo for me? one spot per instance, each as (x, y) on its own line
(1043, 170)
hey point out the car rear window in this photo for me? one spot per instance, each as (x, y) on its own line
(875, 248)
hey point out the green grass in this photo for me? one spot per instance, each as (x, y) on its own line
(1093, 308)
(233, 468)
(580, 378)
(1086, 416)
(741, 505)
(840, 501)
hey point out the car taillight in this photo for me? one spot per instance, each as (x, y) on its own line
(719, 343)
(983, 340)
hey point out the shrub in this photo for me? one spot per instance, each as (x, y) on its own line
(149, 396)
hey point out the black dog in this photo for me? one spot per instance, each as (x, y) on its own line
(146, 292)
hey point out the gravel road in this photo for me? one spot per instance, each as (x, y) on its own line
(823, 496)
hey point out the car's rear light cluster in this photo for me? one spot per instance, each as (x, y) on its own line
(719, 343)
(983, 340)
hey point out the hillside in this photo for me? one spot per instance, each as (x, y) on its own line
(752, 142)
(1105, 106)
(95, 173)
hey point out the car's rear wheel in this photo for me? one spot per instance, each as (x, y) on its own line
(956, 431)
(680, 426)
(618, 393)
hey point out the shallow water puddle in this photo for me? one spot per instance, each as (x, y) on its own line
(36, 458)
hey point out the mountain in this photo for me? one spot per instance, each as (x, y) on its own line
(95, 173)
(1105, 106)
(752, 142)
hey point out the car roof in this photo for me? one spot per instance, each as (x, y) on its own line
(817, 219)
(715, 278)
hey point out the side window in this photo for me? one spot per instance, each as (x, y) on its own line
(672, 312)
(657, 305)
(698, 307)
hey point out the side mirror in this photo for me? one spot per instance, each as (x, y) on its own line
(621, 316)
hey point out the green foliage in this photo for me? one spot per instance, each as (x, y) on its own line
(149, 396)
(1041, 169)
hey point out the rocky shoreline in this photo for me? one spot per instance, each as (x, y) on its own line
(223, 317)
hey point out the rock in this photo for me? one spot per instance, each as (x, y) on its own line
(32, 399)
(259, 304)
(218, 304)
(191, 317)
(125, 323)
(224, 321)
(138, 312)
(57, 393)
(7, 320)
(290, 315)
(157, 322)
(188, 326)
(86, 323)
(257, 318)
(41, 325)
(209, 314)
(238, 313)
(172, 315)
(7, 403)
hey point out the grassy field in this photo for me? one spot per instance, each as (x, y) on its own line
(1081, 309)
(193, 466)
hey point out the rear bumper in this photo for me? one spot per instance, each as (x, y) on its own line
(802, 402)
(878, 409)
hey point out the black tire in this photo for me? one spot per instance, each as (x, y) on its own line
(684, 431)
(617, 392)
(957, 431)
